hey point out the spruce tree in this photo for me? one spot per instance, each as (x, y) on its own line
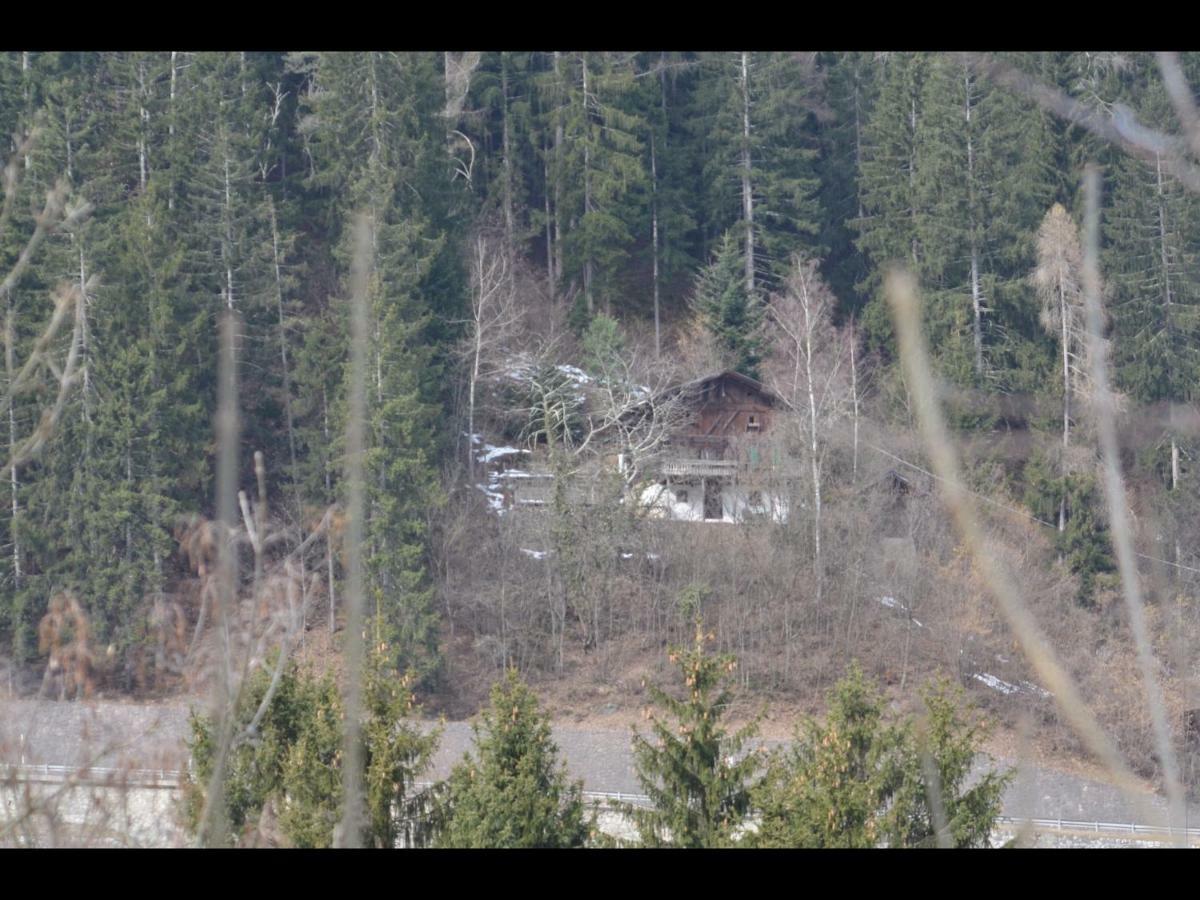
(887, 231)
(514, 791)
(382, 153)
(733, 317)
(855, 780)
(697, 774)
(980, 187)
(1151, 254)
(602, 174)
(291, 757)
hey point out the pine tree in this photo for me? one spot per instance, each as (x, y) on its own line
(514, 792)
(696, 773)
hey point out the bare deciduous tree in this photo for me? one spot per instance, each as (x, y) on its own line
(494, 325)
(808, 371)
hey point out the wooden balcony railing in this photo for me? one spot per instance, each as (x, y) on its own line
(700, 468)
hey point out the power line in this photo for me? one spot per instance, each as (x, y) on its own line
(1011, 509)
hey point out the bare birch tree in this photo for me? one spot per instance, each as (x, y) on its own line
(808, 371)
(494, 325)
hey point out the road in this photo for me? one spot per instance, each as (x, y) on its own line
(111, 734)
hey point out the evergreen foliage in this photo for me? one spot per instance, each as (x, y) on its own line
(292, 759)
(633, 183)
(855, 780)
(733, 317)
(697, 774)
(514, 792)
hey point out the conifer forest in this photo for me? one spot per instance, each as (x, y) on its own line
(836, 405)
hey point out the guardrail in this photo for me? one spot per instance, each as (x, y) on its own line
(93, 775)
(171, 778)
(1116, 828)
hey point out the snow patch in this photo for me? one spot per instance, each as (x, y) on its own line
(996, 684)
(494, 498)
(1004, 687)
(576, 374)
(893, 603)
(492, 453)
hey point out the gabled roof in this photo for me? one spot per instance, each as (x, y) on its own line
(733, 375)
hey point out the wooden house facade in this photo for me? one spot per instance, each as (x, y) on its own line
(723, 465)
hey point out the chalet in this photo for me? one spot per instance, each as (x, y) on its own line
(723, 464)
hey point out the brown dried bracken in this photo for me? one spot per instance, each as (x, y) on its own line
(64, 633)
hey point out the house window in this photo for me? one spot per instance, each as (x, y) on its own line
(681, 497)
(752, 423)
(755, 498)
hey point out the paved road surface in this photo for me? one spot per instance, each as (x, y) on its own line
(111, 734)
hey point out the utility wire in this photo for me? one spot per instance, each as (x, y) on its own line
(1012, 509)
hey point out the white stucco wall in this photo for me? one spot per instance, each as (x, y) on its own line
(665, 502)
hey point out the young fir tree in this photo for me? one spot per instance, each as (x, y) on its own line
(697, 774)
(291, 757)
(731, 315)
(934, 806)
(1083, 540)
(514, 791)
(829, 789)
(855, 780)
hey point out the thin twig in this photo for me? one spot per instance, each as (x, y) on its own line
(1122, 537)
(901, 292)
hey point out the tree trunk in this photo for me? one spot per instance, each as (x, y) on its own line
(1168, 299)
(654, 244)
(976, 294)
(227, 245)
(558, 167)
(587, 193)
(809, 326)
(977, 309)
(508, 176)
(1174, 463)
(854, 397)
(283, 347)
(550, 273)
(1066, 358)
(328, 495)
(747, 191)
(171, 129)
(13, 480)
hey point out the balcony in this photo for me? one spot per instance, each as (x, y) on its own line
(700, 468)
